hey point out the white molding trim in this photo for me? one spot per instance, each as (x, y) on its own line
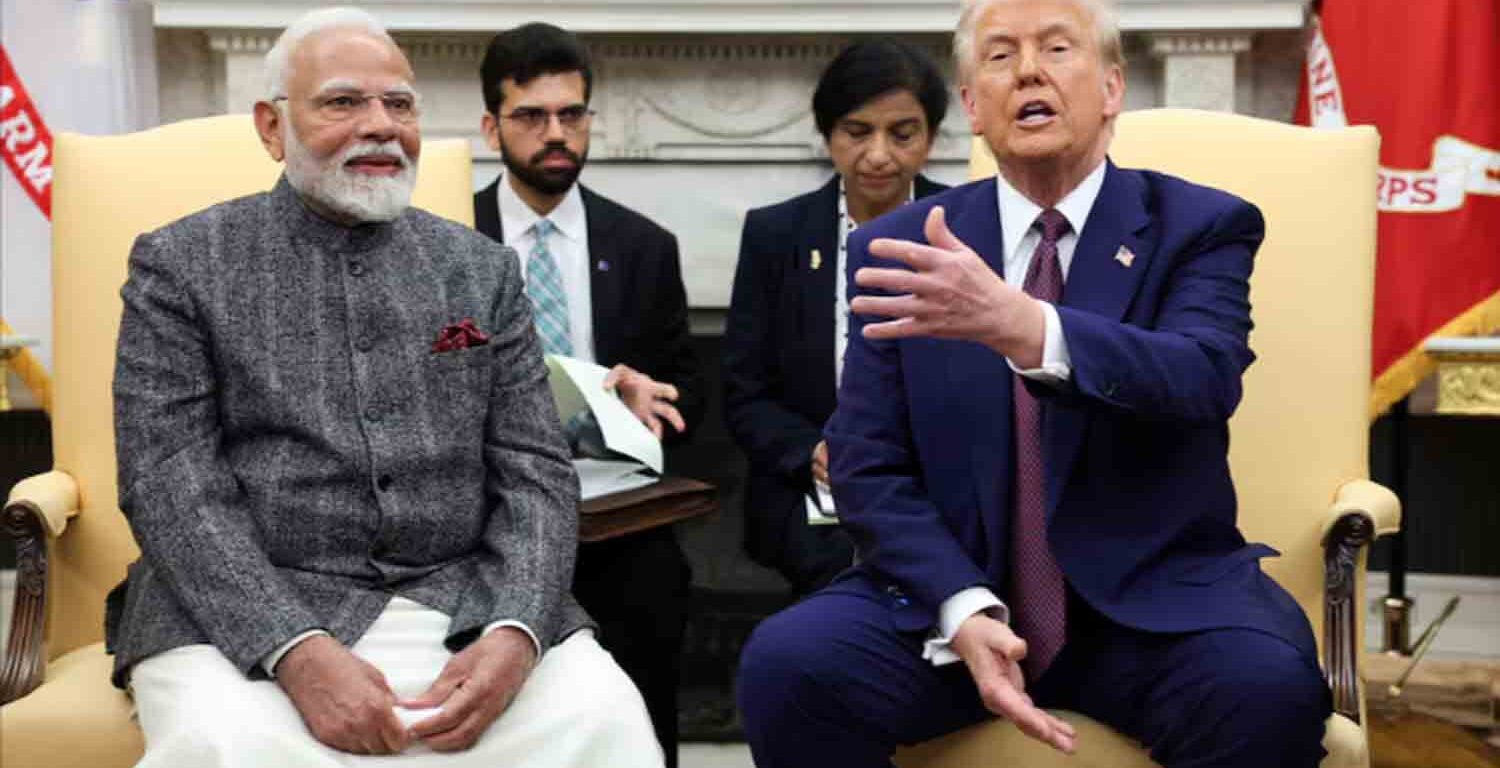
(467, 49)
(698, 16)
(252, 42)
(470, 48)
(727, 48)
(1186, 15)
(1198, 44)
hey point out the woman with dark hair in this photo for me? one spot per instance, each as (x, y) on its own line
(878, 105)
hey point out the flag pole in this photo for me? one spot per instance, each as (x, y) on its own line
(1397, 605)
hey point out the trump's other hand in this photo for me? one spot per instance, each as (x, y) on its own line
(993, 654)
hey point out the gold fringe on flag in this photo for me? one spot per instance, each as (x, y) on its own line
(1398, 380)
(31, 373)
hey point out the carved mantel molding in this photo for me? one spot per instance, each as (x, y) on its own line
(1198, 68)
(1199, 44)
(1468, 376)
(242, 42)
(712, 98)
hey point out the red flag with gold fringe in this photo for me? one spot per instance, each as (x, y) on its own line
(1424, 74)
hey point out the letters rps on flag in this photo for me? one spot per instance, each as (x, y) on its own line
(1425, 75)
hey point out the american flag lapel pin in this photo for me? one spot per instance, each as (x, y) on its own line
(1125, 257)
(816, 260)
(603, 265)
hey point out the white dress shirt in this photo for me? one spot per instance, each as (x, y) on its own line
(1018, 241)
(569, 245)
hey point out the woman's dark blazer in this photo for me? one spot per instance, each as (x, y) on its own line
(778, 359)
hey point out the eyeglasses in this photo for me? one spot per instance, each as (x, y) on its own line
(339, 107)
(571, 118)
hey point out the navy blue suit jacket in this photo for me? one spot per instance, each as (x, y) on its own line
(1141, 509)
(778, 355)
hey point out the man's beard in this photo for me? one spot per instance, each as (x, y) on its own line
(548, 182)
(357, 197)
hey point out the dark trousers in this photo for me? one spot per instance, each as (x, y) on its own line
(636, 587)
(809, 556)
(830, 681)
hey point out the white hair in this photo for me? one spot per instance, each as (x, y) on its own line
(278, 67)
(1101, 13)
(357, 198)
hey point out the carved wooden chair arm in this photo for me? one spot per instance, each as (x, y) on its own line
(1361, 511)
(38, 510)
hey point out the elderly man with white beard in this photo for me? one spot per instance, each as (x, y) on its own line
(339, 455)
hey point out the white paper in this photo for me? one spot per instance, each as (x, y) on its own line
(820, 510)
(622, 431)
(565, 393)
(410, 717)
(600, 477)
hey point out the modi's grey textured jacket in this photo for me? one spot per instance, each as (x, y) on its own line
(292, 452)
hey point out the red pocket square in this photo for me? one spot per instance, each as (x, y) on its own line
(460, 335)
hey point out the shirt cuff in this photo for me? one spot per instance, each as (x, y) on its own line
(952, 613)
(274, 657)
(1057, 364)
(535, 643)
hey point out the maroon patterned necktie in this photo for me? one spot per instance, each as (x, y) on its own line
(1038, 598)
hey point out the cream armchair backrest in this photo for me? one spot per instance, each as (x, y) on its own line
(1299, 440)
(1302, 430)
(106, 191)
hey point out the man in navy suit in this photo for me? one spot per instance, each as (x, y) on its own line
(1030, 451)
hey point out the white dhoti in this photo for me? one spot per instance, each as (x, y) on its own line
(577, 708)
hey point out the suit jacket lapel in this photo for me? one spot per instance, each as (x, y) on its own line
(487, 211)
(1098, 282)
(1101, 284)
(606, 276)
(819, 282)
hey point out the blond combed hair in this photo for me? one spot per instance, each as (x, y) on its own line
(1102, 16)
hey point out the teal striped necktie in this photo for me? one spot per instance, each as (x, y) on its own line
(545, 289)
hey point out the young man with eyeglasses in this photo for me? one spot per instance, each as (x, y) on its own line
(606, 286)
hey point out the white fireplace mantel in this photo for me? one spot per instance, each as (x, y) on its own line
(712, 16)
(702, 105)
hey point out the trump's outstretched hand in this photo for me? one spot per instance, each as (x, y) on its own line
(993, 654)
(948, 292)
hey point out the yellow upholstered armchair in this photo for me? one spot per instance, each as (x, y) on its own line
(1299, 440)
(72, 542)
